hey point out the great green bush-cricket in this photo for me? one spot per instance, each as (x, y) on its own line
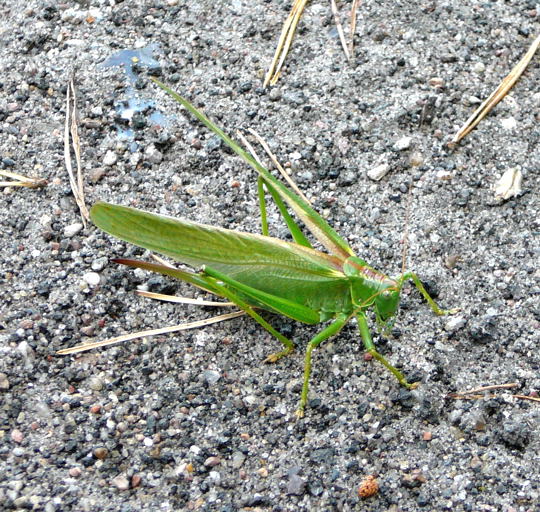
(259, 272)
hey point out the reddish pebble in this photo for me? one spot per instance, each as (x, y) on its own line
(17, 436)
(135, 481)
(75, 472)
(368, 356)
(427, 436)
(26, 324)
(95, 409)
(369, 487)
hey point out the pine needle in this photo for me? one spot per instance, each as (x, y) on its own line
(149, 332)
(339, 28)
(21, 181)
(274, 159)
(354, 9)
(497, 95)
(183, 300)
(484, 388)
(71, 134)
(284, 43)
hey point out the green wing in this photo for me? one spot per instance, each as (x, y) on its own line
(276, 267)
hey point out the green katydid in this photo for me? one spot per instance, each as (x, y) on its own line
(259, 272)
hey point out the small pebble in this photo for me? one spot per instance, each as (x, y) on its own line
(509, 184)
(509, 123)
(95, 409)
(88, 330)
(110, 158)
(4, 382)
(403, 144)
(212, 461)
(416, 159)
(436, 82)
(101, 453)
(73, 229)
(18, 451)
(211, 377)
(92, 278)
(444, 175)
(455, 324)
(95, 384)
(120, 482)
(238, 459)
(368, 487)
(17, 436)
(378, 172)
(296, 485)
(99, 264)
(153, 155)
(97, 174)
(26, 324)
(75, 472)
(479, 67)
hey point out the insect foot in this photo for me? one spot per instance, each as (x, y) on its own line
(274, 358)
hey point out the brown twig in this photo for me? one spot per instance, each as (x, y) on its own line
(497, 95)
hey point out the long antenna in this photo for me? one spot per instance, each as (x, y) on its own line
(406, 233)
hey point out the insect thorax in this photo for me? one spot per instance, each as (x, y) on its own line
(370, 287)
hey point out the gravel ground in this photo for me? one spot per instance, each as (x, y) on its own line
(194, 421)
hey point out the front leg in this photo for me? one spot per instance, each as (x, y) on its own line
(433, 305)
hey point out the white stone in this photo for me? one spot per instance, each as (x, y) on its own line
(91, 278)
(479, 67)
(509, 123)
(379, 171)
(110, 158)
(73, 229)
(455, 323)
(403, 143)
